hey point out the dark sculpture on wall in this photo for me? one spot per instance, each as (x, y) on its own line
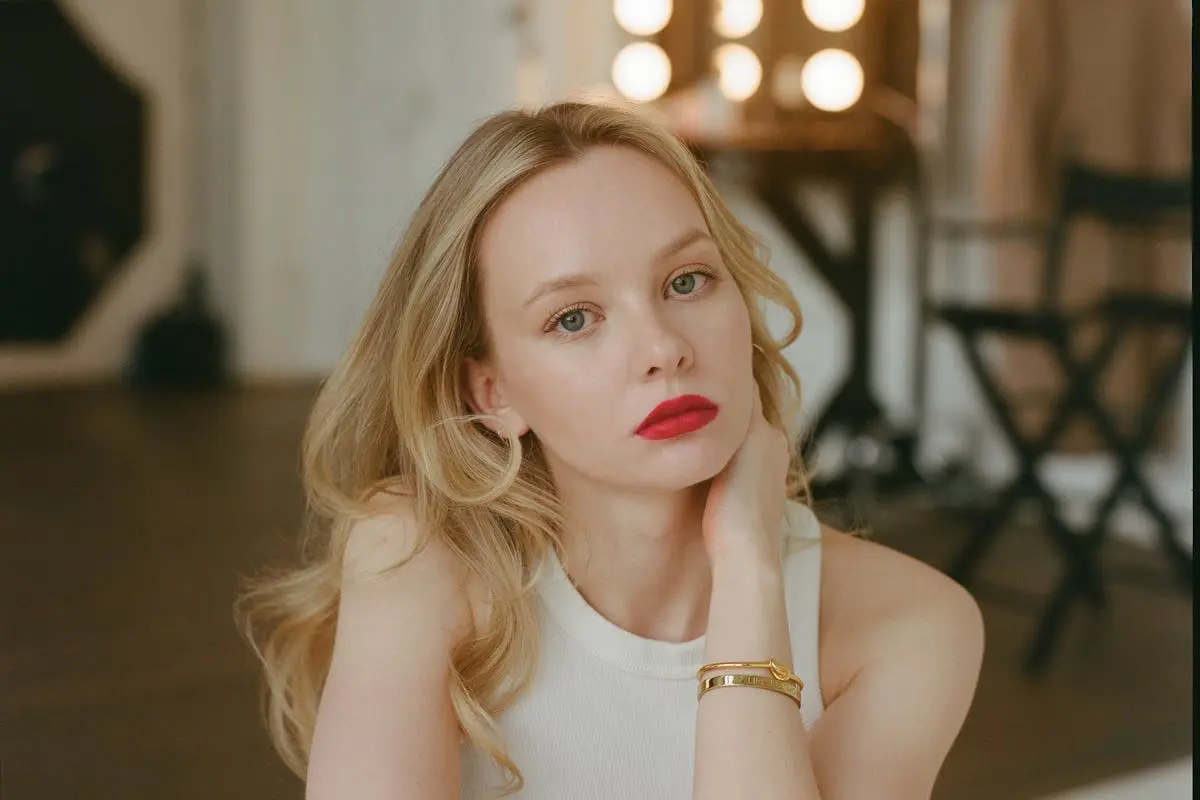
(72, 173)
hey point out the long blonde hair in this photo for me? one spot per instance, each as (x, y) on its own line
(394, 414)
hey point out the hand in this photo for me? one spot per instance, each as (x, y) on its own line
(744, 510)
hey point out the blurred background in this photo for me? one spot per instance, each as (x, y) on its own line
(983, 207)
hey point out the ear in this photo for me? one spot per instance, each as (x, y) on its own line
(485, 395)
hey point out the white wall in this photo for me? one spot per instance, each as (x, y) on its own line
(323, 134)
(147, 43)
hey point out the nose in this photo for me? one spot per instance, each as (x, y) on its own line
(662, 351)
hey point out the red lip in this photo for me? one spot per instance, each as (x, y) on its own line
(677, 416)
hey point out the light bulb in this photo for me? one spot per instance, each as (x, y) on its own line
(832, 80)
(641, 71)
(737, 18)
(834, 15)
(739, 72)
(642, 17)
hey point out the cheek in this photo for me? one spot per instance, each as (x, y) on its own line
(725, 336)
(562, 401)
(727, 354)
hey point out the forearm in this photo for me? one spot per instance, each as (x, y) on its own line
(750, 740)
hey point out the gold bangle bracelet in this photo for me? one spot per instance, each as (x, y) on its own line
(778, 670)
(756, 681)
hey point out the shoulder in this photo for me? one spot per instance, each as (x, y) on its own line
(392, 533)
(392, 552)
(876, 603)
(900, 650)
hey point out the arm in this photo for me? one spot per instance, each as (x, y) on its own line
(912, 640)
(385, 726)
(750, 741)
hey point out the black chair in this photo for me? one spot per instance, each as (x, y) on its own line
(1129, 206)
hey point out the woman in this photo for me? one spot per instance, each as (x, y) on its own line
(557, 473)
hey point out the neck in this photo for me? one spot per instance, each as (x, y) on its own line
(639, 559)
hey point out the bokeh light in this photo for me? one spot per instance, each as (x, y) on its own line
(739, 72)
(641, 71)
(642, 17)
(834, 15)
(737, 18)
(832, 80)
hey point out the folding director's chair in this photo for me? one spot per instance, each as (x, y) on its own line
(1128, 206)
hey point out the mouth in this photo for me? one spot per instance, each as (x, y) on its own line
(677, 416)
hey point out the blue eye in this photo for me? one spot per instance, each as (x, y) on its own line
(685, 284)
(688, 283)
(569, 321)
(572, 321)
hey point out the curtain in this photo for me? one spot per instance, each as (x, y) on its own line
(1107, 82)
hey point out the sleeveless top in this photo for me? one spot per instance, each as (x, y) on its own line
(610, 714)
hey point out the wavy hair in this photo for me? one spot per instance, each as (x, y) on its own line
(394, 416)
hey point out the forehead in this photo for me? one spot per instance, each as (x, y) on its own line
(608, 208)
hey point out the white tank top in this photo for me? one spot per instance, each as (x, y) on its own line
(610, 714)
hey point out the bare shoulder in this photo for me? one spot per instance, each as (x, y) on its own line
(390, 535)
(876, 600)
(393, 546)
(900, 651)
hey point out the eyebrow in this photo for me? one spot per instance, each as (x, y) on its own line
(683, 240)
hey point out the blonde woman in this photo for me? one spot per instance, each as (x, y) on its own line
(554, 479)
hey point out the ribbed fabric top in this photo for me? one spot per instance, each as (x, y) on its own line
(610, 714)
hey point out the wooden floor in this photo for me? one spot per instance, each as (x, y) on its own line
(125, 521)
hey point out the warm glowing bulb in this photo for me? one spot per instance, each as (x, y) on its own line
(736, 18)
(832, 80)
(642, 17)
(641, 71)
(787, 82)
(739, 72)
(834, 15)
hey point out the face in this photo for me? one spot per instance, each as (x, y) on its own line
(604, 296)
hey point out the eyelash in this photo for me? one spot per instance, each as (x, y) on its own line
(552, 324)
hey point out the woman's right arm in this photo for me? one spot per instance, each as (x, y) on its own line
(385, 725)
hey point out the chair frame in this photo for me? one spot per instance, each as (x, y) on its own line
(1122, 202)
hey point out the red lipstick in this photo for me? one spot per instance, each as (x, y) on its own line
(677, 416)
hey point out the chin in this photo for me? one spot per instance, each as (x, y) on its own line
(679, 464)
